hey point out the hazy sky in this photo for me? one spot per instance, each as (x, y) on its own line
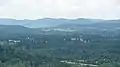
(33, 9)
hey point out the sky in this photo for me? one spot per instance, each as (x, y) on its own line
(35, 9)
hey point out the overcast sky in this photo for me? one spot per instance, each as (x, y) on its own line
(34, 9)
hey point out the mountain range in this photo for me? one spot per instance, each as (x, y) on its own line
(59, 26)
(50, 22)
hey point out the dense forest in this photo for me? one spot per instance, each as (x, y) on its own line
(62, 46)
(55, 50)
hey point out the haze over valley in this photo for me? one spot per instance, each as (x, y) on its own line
(59, 33)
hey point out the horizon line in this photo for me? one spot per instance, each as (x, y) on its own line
(58, 18)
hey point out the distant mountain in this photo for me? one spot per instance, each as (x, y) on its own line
(47, 22)
(99, 26)
(52, 22)
(5, 21)
(95, 28)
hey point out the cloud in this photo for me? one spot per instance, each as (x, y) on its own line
(3, 2)
(32, 9)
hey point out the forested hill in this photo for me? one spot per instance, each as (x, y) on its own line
(60, 46)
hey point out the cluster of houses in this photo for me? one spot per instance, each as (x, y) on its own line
(9, 42)
(77, 39)
(78, 63)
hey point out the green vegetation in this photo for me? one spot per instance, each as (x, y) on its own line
(78, 50)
